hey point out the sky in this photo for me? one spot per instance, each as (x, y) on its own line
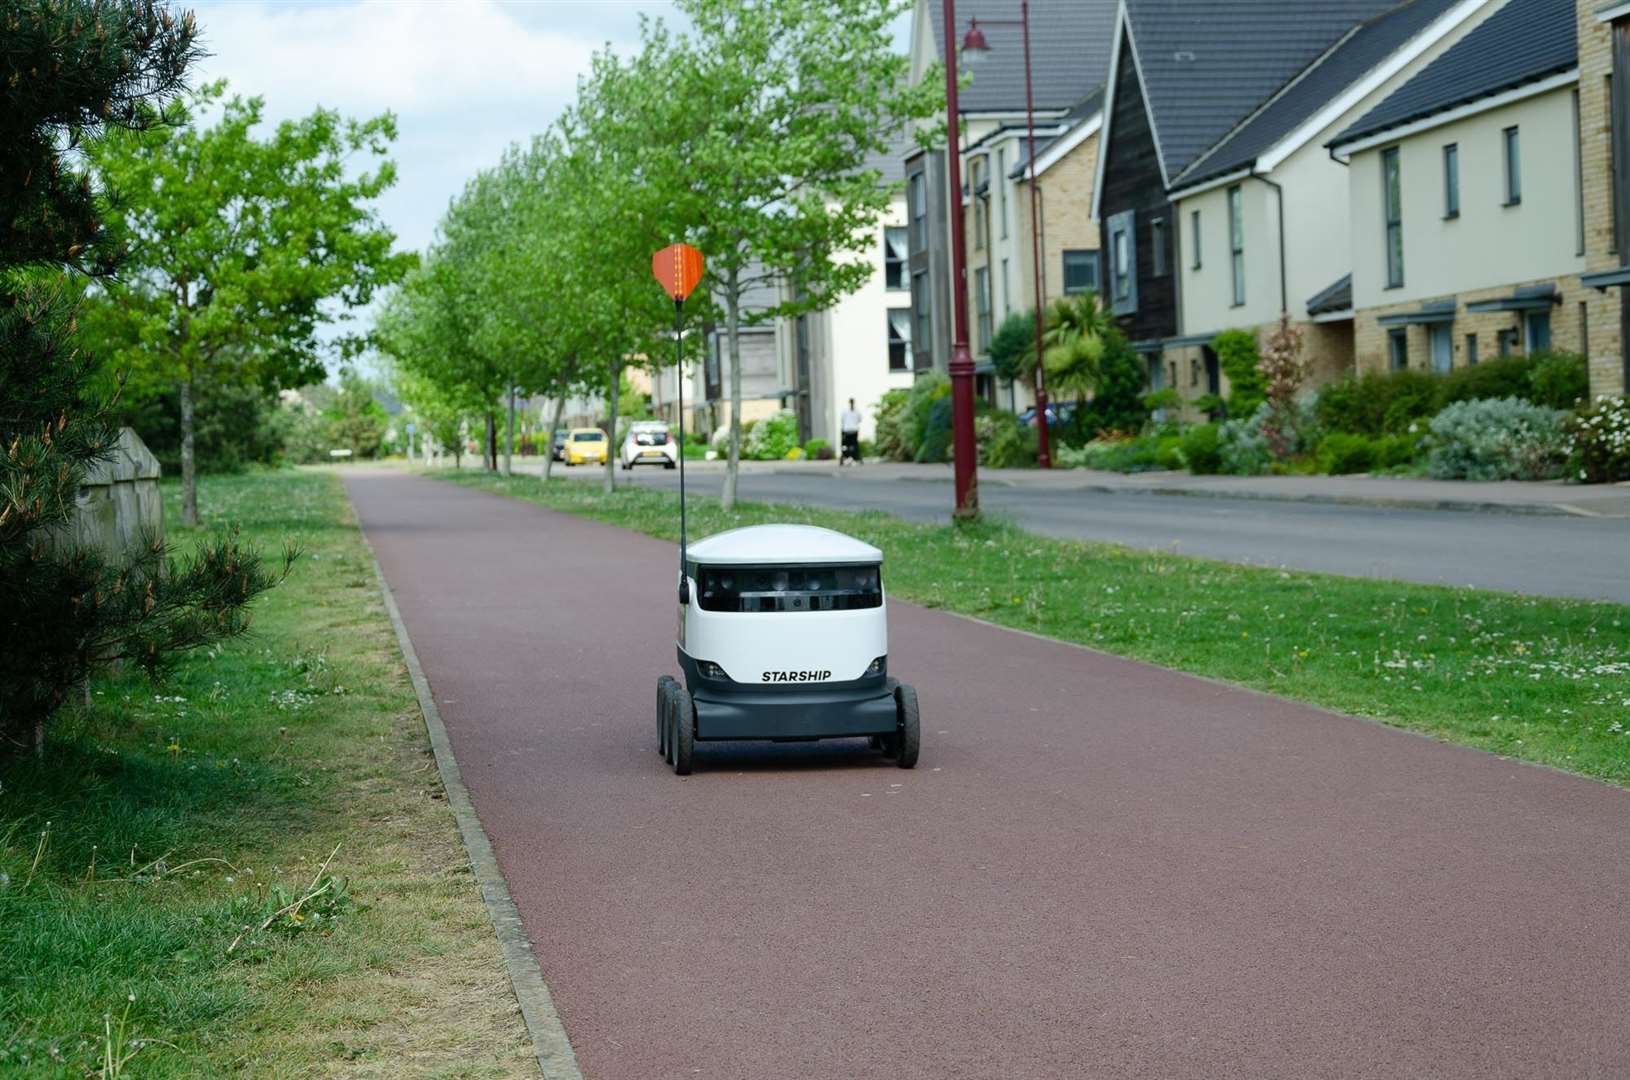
(465, 78)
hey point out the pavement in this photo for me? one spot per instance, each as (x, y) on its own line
(1100, 868)
(1549, 554)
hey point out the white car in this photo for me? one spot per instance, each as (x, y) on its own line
(648, 443)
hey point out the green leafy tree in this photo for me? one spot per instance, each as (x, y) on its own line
(1013, 348)
(355, 420)
(75, 69)
(240, 249)
(755, 130)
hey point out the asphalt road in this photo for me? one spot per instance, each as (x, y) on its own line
(1099, 869)
(1539, 555)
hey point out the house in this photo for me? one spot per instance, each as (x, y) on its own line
(1466, 202)
(1181, 79)
(1069, 54)
(1262, 214)
(766, 377)
(1066, 164)
(1604, 122)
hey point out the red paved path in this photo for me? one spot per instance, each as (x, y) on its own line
(1099, 869)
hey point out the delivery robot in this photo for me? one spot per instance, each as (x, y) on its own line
(783, 635)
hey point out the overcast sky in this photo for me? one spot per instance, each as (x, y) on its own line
(465, 78)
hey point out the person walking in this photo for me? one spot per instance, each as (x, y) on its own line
(849, 424)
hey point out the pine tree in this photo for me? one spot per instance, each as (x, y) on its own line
(69, 70)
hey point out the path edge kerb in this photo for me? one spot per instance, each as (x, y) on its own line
(556, 1058)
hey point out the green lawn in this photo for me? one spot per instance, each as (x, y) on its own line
(1544, 680)
(166, 819)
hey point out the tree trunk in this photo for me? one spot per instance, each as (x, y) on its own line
(489, 452)
(549, 447)
(189, 466)
(509, 436)
(611, 406)
(732, 323)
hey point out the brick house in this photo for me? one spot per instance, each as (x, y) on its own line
(1467, 203)
(1604, 125)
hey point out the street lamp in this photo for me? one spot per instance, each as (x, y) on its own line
(976, 48)
(964, 450)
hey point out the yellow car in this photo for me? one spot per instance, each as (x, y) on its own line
(585, 445)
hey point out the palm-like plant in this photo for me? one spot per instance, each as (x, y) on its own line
(1073, 344)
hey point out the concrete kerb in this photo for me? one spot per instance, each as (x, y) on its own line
(556, 1058)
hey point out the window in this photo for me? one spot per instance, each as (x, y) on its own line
(1392, 203)
(894, 257)
(976, 176)
(1080, 271)
(1157, 237)
(899, 339)
(1007, 291)
(1236, 241)
(1536, 331)
(1123, 269)
(1398, 348)
(999, 182)
(1507, 341)
(1471, 348)
(1194, 235)
(981, 289)
(1441, 346)
(919, 311)
(917, 201)
(1451, 180)
(1513, 167)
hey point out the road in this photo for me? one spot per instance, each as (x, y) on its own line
(1526, 553)
(1100, 868)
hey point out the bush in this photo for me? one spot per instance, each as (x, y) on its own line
(1169, 452)
(1377, 403)
(1242, 448)
(1558, 380)
(1202, 450)
(1117, 400)
(1113, 454)
(818, 449)
(1396, 451)
(1238, 358)
(1341, 453)
(771, 438)
(1601, 440)
(934, 432)
(1004, 443)
(891, 413)
(1496, 377)
(1500, 439)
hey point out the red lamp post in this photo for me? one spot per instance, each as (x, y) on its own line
(974, 44)
(965, 451)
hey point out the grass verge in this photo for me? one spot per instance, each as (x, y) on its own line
(164, 820)
(1543, 680)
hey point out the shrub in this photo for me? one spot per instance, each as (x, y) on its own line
(1496, 377)
(1169, 452)
(1499, 439)
(1113, 454)
(1283, 372)
(1396, 451)
(1601, 440)
(1004, 443)
(771, 438)
(819, 449)
(1202, 449)
(1558, 380)
(1341, 453)
(891, 412)
(1242, 448)
(1238, 357)
(1117, 400)
(1377, 403)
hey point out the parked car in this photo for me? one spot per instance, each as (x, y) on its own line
(557, 447)
(648, 443)
(585, 445)
(1058, 412)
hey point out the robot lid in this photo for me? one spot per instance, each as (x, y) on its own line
(768, 545)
